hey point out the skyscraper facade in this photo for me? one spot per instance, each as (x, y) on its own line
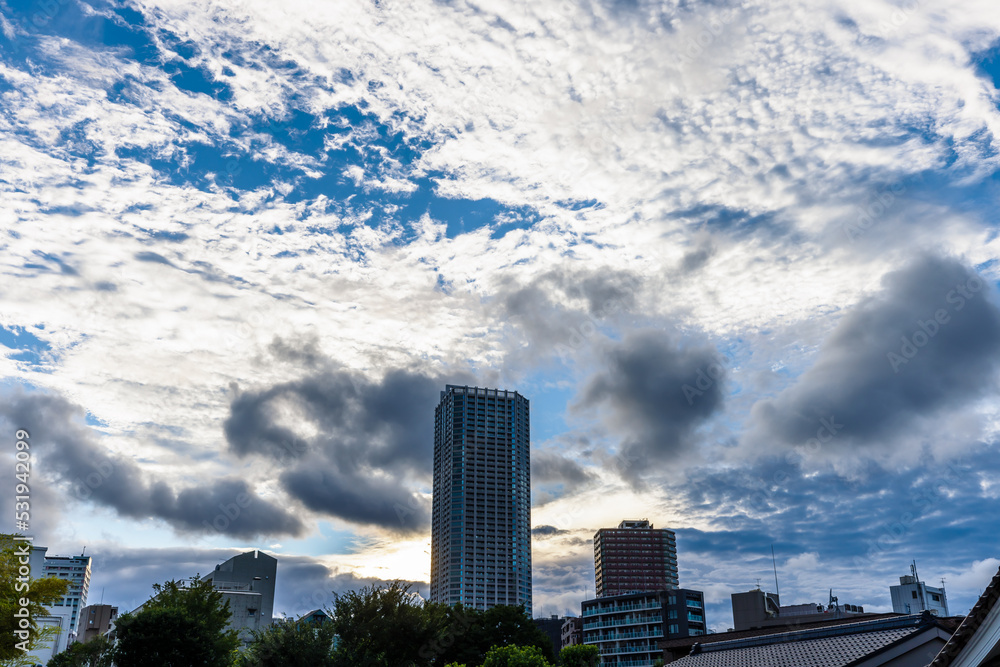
(481, 523)
(75, 569)
(634, 558)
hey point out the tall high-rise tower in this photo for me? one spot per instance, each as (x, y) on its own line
(634, 558)
(481, 525)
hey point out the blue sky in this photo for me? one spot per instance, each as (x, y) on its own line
(691, 233)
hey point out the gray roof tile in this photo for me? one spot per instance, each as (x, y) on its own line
(822, 652)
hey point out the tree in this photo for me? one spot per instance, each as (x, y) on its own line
(180, 625)
(98, 652)
(507, 625)
(515, 656)
(579, 655)
(471, 633)
(385, 626)
(15, 587)
(291, 644)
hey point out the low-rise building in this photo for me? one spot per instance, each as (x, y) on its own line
(895, 641)
(572, 632)
(247, 583)
(758, 609)
(552, 627)
(913, 596)
(96, 620)
(627, 629)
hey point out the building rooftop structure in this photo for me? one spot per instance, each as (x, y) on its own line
(899, 641)
(758, 609)
(913, 596)
(976, 641)
(246, 582)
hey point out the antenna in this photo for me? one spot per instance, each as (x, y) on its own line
(102, 594)
(758, 583)
(774, 564)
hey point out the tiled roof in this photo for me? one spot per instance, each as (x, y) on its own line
(827, 652)
(823, 647)
(968, 628)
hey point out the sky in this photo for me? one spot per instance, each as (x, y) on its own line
(741, 256)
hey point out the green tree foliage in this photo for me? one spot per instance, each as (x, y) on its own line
(291, 644)
(515, 656)
(470, 634)
(579, 655)
(40, 593)
(385, 626)
(178, 627)
(98, 652)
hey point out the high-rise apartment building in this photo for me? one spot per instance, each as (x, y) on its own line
(76, 570)
(481, 523)
(64, 614)
(634, 558)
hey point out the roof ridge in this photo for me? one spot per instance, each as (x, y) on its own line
(984, 605)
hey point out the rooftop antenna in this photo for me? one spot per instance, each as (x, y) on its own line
(758, 583)
(774, 564)
(102, 594)
(84, 551)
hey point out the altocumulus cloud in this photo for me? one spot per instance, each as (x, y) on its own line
(348, 446)
(91, 473)
(928, 343)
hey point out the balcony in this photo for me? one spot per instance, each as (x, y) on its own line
(595, 611)
(632, 620)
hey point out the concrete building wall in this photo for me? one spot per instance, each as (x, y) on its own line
(913, 596)
(95, 620)
(253, 571)
(245, 607)
(572, 632)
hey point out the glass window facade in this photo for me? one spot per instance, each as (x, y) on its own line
(481, 520)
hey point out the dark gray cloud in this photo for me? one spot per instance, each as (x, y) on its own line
(349, 446)
(68, 452)
(695, 259)
(561, 309)
(927, 343)
(550, 467)
(864, 529)
(654, 393)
